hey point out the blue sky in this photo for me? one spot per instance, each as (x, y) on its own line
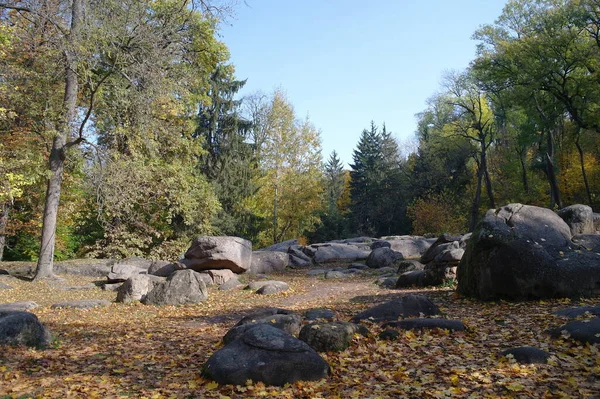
(347, 62)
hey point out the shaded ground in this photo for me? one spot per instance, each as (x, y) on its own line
(157, 352)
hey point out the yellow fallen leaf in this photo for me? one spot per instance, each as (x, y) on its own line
(211, 385)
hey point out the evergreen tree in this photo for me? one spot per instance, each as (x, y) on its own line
(229, 160)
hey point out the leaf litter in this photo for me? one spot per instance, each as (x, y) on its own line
(139, 351)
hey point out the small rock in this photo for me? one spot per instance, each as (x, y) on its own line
(406, 306)
(112, 287)
(315, 272)
(316, 314)
(335, 275)
(387, 282)
(358, 266)
(82, 304)
(527, 355)
(18, 306)
(389, 334)
(230, 284)
(273, 288)
(325, 337)
(22, 328)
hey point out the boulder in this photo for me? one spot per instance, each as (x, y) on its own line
(92, 269)
(163, 269)
(256, 285)
(282, 246)
(266, 354)
(112, 287)
(525, 252)
(325, 337)
(290, 323)
(411, 279)
(181, 288)
(122, 271)
(296, 262)
(527, 355)
(137, 287)
(406, 306)
(22, 328)
(273, 287)
(231, 284)
(596, 218)
(387, 282)
(336, 252)
(411, 247)
(220, 277)
(384, 257)
(231, 253)
(17, 306)
(268, 262)
(579, 218)
(409, 265)
(320, 314)
(573, 313)
(425, 324)
(82, 304)
(335, 274)
(587, 331)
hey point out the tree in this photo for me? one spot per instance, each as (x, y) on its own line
(105, 48)
(290, 179)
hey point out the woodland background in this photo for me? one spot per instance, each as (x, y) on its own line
(158, 148)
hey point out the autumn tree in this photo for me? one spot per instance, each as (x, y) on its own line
(290, 177)
(101, 49)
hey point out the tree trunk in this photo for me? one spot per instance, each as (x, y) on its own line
(583, 172)
(554, 190)
(524, 180)
(3, 222)
(476, 200)
(59, 147)
(488, 180)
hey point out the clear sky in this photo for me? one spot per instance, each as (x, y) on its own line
(347, 62)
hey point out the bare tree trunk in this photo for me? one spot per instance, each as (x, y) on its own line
(59, 147)
(583, 172)
(3, 222)
(476, 200)
(486, 175)
(524, 179)
(554, 190)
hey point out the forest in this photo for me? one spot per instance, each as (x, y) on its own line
(122, 134)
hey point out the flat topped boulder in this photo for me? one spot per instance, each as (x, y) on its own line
(406, 306)
(267, 354)
(18, 306)
(521, 252)
(206, 252)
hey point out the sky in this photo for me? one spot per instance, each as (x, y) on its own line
(345, 63)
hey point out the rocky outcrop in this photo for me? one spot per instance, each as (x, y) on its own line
(579, 218)
(411, 247)
(384, 257)
(335, 252)
(231, 253)
(526, 252)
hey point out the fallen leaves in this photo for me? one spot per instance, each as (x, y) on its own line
(157, 352)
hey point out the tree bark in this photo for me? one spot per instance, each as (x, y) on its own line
(3, 222)
(45, 263)
(583, 172)
(486, 175)
(476, 200)
(524, 180)
(554, 190)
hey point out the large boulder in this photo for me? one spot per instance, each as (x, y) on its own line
(207, 252)
(22, 328)
(267, 354)
(181, 288)
(268, 262)
(406, 306)
(525, 252)
(579, 218)
(384, 257)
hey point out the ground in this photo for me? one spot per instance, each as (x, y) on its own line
(144, 351)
